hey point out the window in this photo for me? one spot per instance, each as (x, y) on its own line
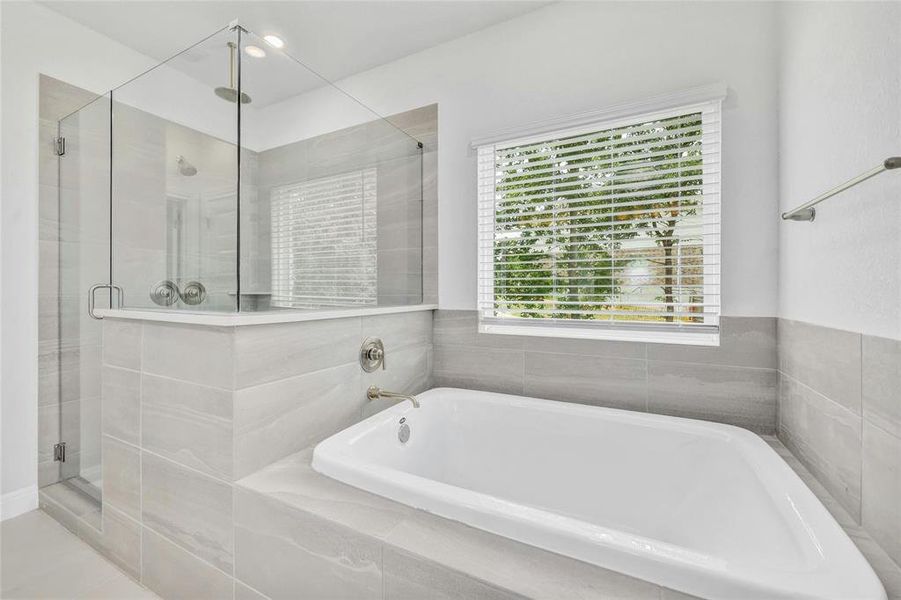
(324, 241)
(609, 231)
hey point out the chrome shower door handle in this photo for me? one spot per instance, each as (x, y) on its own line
(120, 297)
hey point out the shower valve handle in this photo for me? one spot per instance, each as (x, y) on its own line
(372, 355)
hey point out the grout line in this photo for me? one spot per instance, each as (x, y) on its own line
(121, 441)
(862, 418)
(141, 458)
(824, 396)
(169, 378)
(183, 466)
(647, 384)
(181, 548)
(234, 467)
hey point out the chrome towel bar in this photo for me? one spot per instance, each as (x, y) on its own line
(807, 212)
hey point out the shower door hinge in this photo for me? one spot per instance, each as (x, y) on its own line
(59, 452)
(60, 146)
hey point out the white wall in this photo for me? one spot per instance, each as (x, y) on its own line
(34, 40)
(573, 57)
(840, 115)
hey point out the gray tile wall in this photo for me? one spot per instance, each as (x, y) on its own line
(169, 226)
(174, 515)
(734, 383)
(297, 383)
(407, 198)
(840, 414)
(189, 410)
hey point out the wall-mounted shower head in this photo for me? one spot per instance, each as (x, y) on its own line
(230, 93)
(184, 167)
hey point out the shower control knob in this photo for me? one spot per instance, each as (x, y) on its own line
(164, 293)
(194, 293)
(372, 355)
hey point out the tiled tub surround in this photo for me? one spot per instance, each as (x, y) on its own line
(298, 529)
(188, 410)
(733, 383)
(207, 392)
(705, 508)
(840, 414)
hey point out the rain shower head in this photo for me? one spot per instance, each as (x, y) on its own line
(230, 93)
(185, 168)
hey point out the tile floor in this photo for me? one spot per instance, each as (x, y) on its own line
(39, 558)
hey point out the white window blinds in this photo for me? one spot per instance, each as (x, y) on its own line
(324, 241)
(608, 231)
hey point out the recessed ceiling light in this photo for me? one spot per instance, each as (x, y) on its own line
(255, 51)
(274, 41)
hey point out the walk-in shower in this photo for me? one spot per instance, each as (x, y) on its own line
(174, 196)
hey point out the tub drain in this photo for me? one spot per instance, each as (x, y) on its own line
(403, 432)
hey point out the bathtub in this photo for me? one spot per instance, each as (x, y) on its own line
(706, 509)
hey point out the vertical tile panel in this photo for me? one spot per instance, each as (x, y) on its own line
(122, 477)
(196, 354)
(276, 419)
(192, 510)
(121, 404)
(881, 501)
(400, 330)
(479, 368)
(411, 578)
(600, 381)
(744, 342)
(119, 539)
(736, 395)
(826, 437)
(173, 573)
(188, 423)
(824, 359)
(882, 383)
(271, 352)
(280, 550)
(122, 343)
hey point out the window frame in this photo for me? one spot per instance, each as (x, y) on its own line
(706, 100)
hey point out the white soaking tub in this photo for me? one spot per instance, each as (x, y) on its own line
(703, 508)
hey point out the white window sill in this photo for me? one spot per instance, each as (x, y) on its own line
(707, 337)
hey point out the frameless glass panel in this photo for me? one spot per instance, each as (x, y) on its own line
(84, 260)
(331, 193)
(174, 181)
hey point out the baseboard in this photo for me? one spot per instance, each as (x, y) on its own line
(21, 501)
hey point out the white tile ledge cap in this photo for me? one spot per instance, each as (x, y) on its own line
(255, 318)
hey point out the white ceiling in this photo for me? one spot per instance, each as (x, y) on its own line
(336, 39)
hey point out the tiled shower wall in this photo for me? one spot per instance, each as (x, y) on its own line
(840, 414)
(190, 410)
(734, 383)
(407, 217)
(169, 226)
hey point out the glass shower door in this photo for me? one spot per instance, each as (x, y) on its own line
(84, 260)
